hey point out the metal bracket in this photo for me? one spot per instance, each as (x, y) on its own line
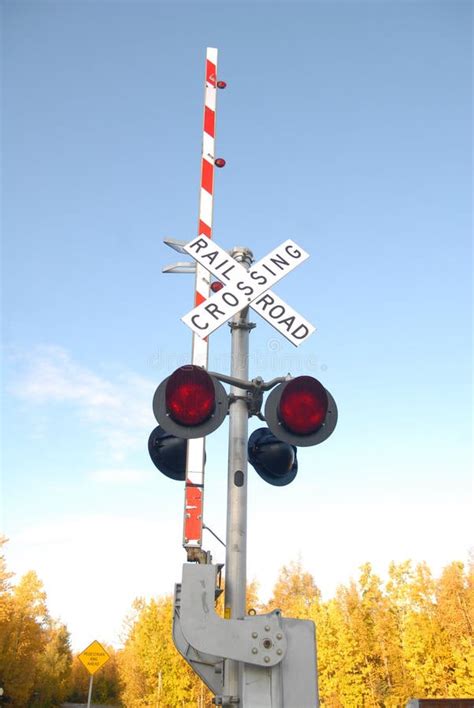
(287, 678)
(242, 325)
(175, 244)
(209, 667)
(257, 640)
(198, 555)
(226, 700)
(180, 267)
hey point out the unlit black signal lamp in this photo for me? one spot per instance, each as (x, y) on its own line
(274, 460)
(168, 453)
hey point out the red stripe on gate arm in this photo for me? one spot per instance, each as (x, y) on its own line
(198, 298)
(209, 121)
(193, 522)
(204, 229)
(210, 73)
(207, 175)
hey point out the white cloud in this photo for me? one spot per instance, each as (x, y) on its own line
(93, 567)
(118, 407)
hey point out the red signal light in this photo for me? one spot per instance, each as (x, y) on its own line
(219, 162)
(301, 412)
(190, 396)
(303, 405)
(216, 286)
(190, 403)
(221, 84)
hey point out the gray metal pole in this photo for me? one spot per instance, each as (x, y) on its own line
(90, 692)
(236, 534)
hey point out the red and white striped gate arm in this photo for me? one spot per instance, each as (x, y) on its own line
(194, 490)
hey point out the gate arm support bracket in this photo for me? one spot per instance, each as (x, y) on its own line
(257, 639)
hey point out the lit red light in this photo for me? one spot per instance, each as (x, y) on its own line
(216, 286)
(221, 84)
(219, 162)
(190, 395)
(303, 405)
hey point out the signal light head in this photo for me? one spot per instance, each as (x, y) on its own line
(189, 395)
(168, 453)
(301, 412)
(190, 403)
(303, 405)
(274, 460)
(221, 84)
(219, 162)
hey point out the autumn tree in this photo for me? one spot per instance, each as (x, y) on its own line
(24, 639)
(151, 670)
(35, 656)
(53, 668)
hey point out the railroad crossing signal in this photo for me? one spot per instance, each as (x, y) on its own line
(279, 668)
(192, 403)
(243, 288)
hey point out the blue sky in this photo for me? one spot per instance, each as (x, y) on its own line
(345, 126)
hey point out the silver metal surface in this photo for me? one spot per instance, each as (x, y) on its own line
(89, 697)
(207, 633)
(290, 684)
(175, 244)
(208, 666)
(180, 267)
(236, 536)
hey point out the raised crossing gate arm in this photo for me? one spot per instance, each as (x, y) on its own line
(195, 461)
(195, 458)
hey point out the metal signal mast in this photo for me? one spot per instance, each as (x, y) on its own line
(255, 661)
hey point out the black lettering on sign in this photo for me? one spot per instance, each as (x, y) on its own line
(226, 260)
(212, 256)
(279, 261)
(269, 269)
(293, 252)
(213, 310)
(193, 320)
(303, 334)
(245, 289)
(276, 311)
(230, 299)
(288, 322)
(265, 300)
(199, 244)
(228, 270)
(258, 277)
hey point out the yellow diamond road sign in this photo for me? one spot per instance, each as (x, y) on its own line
(94, 657)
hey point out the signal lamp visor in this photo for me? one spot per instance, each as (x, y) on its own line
(190, 396)
(303, 406)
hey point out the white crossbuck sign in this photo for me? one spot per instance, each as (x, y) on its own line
(247, 287)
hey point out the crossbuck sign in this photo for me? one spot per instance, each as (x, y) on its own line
(243, 288)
